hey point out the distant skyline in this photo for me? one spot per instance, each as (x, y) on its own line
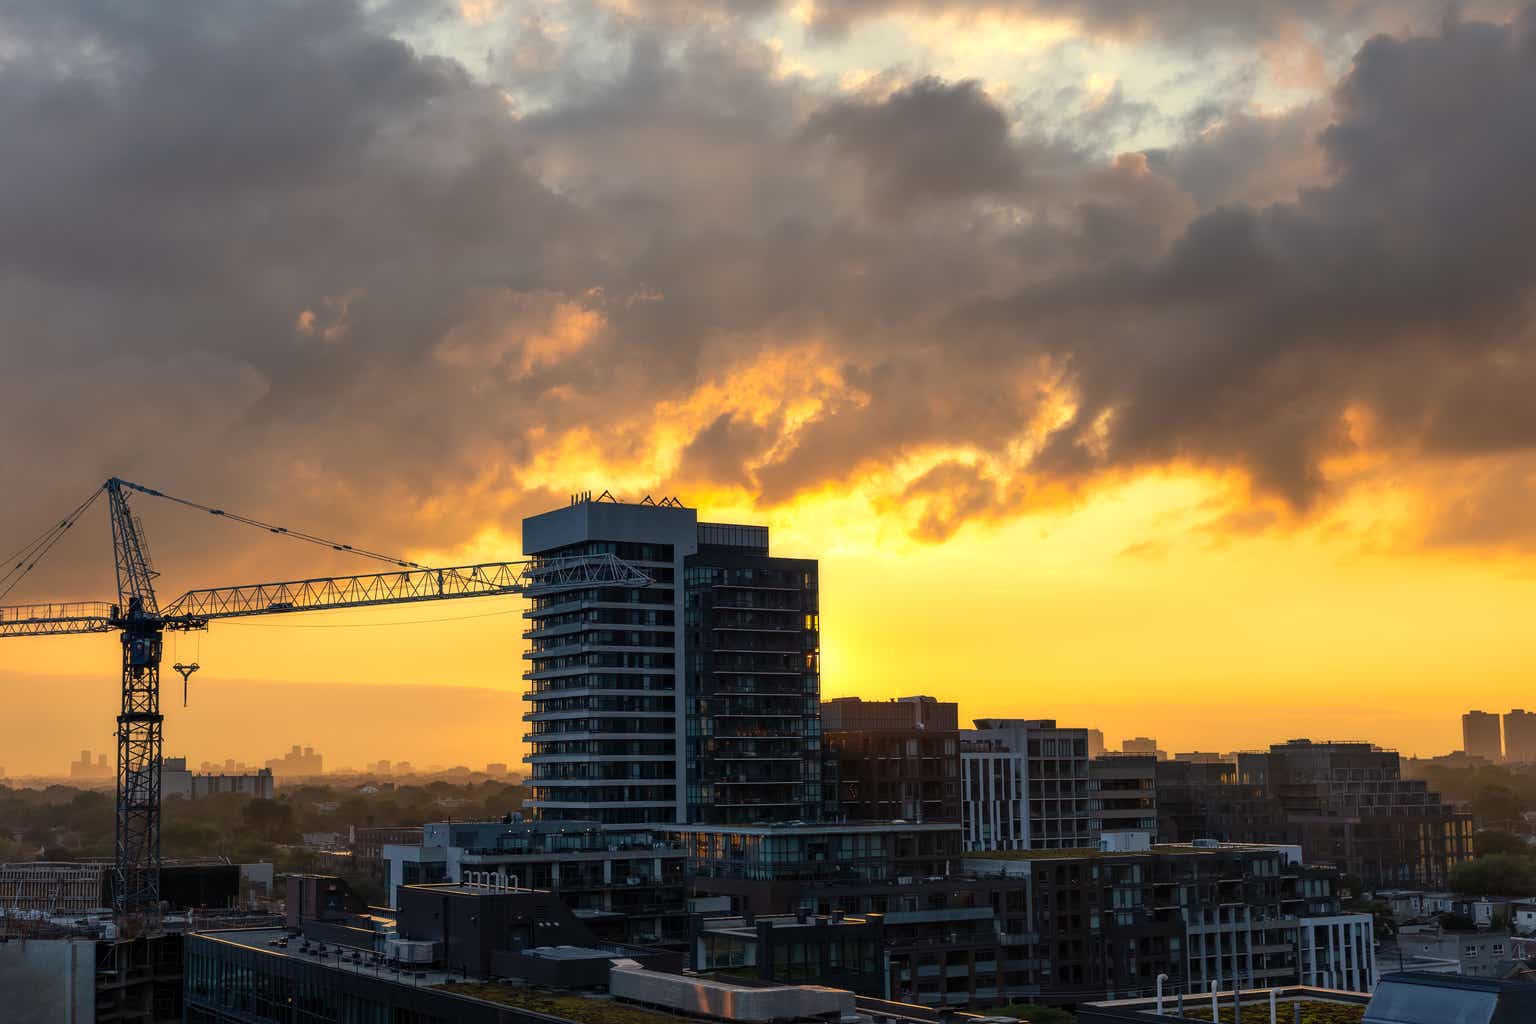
(1161, 368)
(460, 725)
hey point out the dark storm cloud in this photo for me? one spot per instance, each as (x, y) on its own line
(929, 141)
(1196, 23)
(272, 255)
(1402, 286)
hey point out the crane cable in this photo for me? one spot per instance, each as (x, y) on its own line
(364, 625)
(280, 530)
(30, 554)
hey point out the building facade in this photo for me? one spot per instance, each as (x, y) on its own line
(771, 869)
(1480, 736)
(1143, 745)
(693, 699)
(1520, 737)
(626, 883)
(896, 760)
(1216, 801)
(1122, 793)
(753, 625)
(177, 780)
(1349, 805)
(1025, 786)
(1105, 925)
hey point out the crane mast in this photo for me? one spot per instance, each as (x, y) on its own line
(142, 623)
(140, 725)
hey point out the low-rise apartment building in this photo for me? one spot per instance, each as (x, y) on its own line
(625, 882)
(1105, 925)
(1480, 953)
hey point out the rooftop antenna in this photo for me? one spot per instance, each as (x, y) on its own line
(186, 673)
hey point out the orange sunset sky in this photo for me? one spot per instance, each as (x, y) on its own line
(1163, 369)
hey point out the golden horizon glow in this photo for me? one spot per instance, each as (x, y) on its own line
(1135, 611)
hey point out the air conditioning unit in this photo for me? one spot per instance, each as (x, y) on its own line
(411, 951)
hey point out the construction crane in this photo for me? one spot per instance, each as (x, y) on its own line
(142, 623)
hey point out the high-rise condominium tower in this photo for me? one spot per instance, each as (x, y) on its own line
(693, 700)
(1480, 735)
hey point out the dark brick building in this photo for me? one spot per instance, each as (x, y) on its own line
(894, 760)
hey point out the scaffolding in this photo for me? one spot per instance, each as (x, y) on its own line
(51, 888)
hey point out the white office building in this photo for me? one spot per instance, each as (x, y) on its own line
(1025, 786)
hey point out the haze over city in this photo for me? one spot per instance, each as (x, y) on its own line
(1156, 369)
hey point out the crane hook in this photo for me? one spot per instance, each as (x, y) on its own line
(186, 673)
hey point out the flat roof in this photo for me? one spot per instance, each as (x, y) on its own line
(568, 1005)
(260, 939)
(1093, 853)
(816, 828)
(575, 953)
(461, 889)
(740, 926)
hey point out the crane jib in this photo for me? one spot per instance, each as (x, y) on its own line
(142, 623)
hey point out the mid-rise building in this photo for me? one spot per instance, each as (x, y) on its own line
(336, 961)
(1216, 801)
(893, 760)
(1351, 807)
(177, 780)
(1143, 745)
(625, 882)
(1105, 925)
(1123, 793)
(694, 699)
(1025, 786)
(1520, 737)
(776, 869)
(1480, 736)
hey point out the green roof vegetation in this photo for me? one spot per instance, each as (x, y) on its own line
(1090, 853)
(1313, 1011)
(1031, 1012)
(570, 1007)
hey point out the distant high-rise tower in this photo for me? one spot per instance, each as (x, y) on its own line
(1143, 745)
(1095, 742)
(1519, 736)
(1480, 735)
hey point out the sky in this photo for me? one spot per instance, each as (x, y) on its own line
(1160, 368)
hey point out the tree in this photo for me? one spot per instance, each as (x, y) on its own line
(1490, 841)
(271, 820)
(1457, 923)
(1499, 874)
(1496, 804)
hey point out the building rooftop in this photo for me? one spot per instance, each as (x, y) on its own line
(334, 957)
(816, 828)
(1095, 854)
(462, 889)
(743, 927)
(569, 1006)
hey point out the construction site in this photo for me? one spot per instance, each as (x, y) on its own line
(103, 940)
(63, 955)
